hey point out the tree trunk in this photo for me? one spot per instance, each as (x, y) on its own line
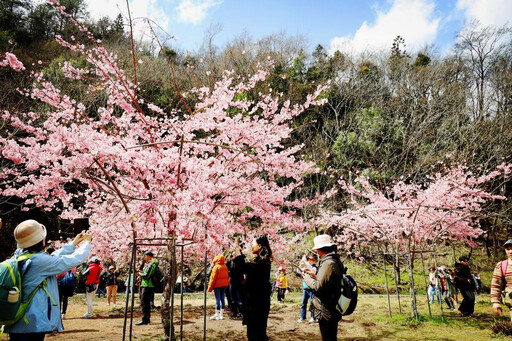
(396, 265)
(168, 294)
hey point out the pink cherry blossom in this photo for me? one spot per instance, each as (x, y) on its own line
(203, 175)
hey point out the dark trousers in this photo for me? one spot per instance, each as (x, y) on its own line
(64, 303)
(448, 299)
(467, 306)
(257, 330)
(280, 294)
(145, 301)
(328, 329)
(236, 301)
(27, 337)
(257, 324)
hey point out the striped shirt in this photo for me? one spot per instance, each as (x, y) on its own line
(499, 282)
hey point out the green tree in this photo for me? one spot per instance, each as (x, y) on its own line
(13, 24)
(43, 22)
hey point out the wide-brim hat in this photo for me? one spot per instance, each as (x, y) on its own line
(508, 243)
(148, 253)
(29, 233)
(111, 267)
(321, 241)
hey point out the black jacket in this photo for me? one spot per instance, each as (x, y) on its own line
(256, 289)
(462, 279)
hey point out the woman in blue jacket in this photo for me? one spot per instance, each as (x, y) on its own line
(43, 313)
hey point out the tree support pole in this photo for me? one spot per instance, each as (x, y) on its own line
(396, 284)
(441, 300)
(387, 287)
(426, 284)
(204, 291)
(181, 307)
(414, 308)
(128, 287)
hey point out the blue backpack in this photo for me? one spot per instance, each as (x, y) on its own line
(69, 280)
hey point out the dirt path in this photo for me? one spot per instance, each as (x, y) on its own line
(368, 323)
(107, 323)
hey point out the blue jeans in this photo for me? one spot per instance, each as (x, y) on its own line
(307, 294)
(219, 297)
(431, 290)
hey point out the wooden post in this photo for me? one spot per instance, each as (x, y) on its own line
(426, 284)
(128, 287)
(397, 283)
(440, 298)
(387, 287)
(414, 308)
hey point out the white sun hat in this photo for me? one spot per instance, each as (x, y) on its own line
(321, 241)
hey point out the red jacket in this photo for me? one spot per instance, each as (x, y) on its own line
(93, 276)
(220, 276)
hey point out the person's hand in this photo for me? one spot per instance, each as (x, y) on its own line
(498, 310)
(78, 238)
(310, 273)
(87, 236)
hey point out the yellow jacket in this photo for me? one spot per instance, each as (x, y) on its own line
(282, 281)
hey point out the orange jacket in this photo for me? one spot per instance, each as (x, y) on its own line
(219, 277)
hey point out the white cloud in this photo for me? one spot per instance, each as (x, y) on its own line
(488, 12)
(194, 11)
(138, 8)
(411, 19)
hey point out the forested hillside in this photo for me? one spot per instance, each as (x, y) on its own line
(391, 115)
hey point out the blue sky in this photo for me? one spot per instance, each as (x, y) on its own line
(347, 25)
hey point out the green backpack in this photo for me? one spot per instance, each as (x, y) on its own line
(14, 309)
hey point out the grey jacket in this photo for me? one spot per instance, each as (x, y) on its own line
(327, 288)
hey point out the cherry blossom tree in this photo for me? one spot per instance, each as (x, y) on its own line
(409, 218)
(217, 168)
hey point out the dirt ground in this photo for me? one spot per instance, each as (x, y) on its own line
(108, 321)
(369, 322)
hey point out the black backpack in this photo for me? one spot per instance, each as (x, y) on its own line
(348, 300)
(157, 278)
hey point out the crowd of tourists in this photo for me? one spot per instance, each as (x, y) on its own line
(244, 280)
(446, 284)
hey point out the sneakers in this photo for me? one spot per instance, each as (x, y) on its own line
(300, 320)
(87, 316)
(63, 316)
(108, 303)
(140, 323)
(312, 320)
(114, 305)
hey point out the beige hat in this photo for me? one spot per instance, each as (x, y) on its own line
(29, 233)
(321, 241)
